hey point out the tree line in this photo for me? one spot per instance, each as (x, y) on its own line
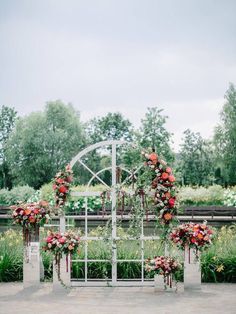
(35, 147)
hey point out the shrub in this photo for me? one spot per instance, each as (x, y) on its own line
(3, 197)
(212, 195)
(16, 195)
(230, 198)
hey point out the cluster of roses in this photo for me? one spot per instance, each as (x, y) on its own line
(59, 243)
(162, 265)
(61, 185)
(29, 215)
(162, 187)
(192, 235)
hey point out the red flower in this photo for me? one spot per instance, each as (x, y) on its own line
(32, 219)
(69, 179)
(62, 189)
(36, 211)
(168, 170)
(172, 202)
(62, 240)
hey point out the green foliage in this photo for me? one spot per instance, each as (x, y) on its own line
(7, 121)
(4, 197)
(230, 198)
(16, 195)
(213, 195)
(225, 139)
(153, 133)
(11, 256)
(43, 143)
(218, 262)
(113, 126)
(196, 160)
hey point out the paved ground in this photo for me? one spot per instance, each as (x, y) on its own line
(214, 298)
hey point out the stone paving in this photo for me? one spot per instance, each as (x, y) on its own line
(213, 298)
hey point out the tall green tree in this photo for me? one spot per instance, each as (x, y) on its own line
(225, 139)
(43, 143)
(196, 160)
(113, 126)
(8, 117)
(153, 133)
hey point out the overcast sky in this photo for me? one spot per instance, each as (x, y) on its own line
(120, 55)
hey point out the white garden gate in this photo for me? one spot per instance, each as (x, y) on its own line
(113, 281)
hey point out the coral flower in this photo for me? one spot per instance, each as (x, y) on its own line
(200, 236)
(171, 178)
(43, 203)
(153, 157)
(168, 169)
(167, 216)
(27, 211)
(167, 195)
(60, 180)
(164, 176)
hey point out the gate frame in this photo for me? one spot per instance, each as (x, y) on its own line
(114, 238)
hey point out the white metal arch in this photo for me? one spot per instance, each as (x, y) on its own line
(93, 147)
(114, 237)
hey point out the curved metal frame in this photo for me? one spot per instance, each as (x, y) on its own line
(114, 237)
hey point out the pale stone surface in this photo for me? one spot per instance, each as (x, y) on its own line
(65, 270)
(212, 299)
(192, 270)
(31, 265)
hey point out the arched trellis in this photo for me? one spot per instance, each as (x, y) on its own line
(113, 237)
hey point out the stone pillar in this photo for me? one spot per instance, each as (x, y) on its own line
(31, 263)
(192, 270)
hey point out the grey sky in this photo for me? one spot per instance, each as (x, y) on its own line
(121, 55)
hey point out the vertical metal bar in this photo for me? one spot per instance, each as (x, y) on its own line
(113, 216)
(166, 249)
(142, 250)
(86, 241)
(62, 224)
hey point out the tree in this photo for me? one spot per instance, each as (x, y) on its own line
(225, 139)
(196, 163)
(8, 117)
(43, 143)
(113, 126)
(153, 133)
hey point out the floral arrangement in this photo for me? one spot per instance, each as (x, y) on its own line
(192, 235)
(163, 265)
(30, 215)
(162, 188)
(61, 185)
(61, 243)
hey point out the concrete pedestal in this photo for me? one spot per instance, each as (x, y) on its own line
(192, 270)
(65, 273)
(31, 265)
